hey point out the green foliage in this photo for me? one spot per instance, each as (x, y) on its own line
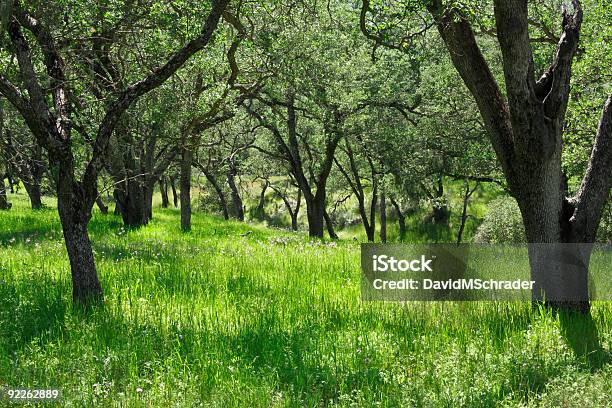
(207, 201)
(502, 224)
(604, 233)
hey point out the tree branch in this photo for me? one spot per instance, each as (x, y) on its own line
(128, 96)
(597, 182)
(467, 58)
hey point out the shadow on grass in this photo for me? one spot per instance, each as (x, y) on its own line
(580, 332)
(31, 309)
(104, 223)
(18, 229)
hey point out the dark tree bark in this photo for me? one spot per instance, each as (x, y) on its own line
(75, 213)
(118, 210)
(175, 199)
(260, 210)
(163, 188)
(51, 127)
(213, 181)
(315, 214)
(135, 175)
(296, 211)
(440, 214)
(148, 191)
(131, 203)
(526, 133)
(33, 182)
(4, 203)
(401, 219)
(237, 205)
(103, 207)
(383, 218)
(464, 215)
(186, 162)
(330, 226)
(35, 195)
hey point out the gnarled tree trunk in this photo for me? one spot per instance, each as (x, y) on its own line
(526, 131)
(75, 213)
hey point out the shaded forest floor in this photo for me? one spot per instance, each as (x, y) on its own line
(238, 315)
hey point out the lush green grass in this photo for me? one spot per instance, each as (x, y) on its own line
(234, 315)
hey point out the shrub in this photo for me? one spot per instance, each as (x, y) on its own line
(502, 224)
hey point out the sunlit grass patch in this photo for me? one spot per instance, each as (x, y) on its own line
(237, 315)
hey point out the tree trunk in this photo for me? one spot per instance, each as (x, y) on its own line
(103, 207)
(401, 219)
(86, 288)
(186, 160)
(222, 202)
(440, 215)
(235, 194)
(75, 214)
(129, 181)
(34, 194)
(163, 188)
(383, 218)
(559, 270)
(315, 212)
(118, 203)
(37, 170)
(369, 227)
(4, 204)
(260, 210)
(296, 212)
(132, 203)
(148, 190)
(466, 197)
(175, 199)
(330, 226)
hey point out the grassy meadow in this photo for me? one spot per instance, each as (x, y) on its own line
(236, 315)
